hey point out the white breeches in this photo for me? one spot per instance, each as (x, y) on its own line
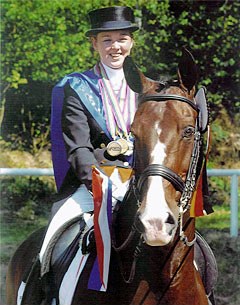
(78, 203)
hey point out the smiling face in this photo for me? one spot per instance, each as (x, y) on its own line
(113, 47)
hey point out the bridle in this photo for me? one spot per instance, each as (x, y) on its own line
(185, 187)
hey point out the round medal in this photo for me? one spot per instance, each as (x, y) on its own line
(118, 147)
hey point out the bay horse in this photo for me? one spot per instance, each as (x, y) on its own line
(153, 235)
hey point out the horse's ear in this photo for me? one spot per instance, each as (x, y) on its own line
(134, 77)
(187, 70)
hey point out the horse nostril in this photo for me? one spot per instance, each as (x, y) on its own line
(170, 219)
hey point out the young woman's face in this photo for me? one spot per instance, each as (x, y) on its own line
(113, 47)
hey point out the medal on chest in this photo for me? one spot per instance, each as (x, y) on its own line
(119, 113)
(120, 147)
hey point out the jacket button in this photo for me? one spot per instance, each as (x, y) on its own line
(102, 145)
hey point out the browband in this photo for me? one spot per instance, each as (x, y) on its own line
(165, 97)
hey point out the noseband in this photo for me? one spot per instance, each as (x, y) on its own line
(164, 172)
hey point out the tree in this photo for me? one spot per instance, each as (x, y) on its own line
(44, 40)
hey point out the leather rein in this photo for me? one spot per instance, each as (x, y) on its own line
(185, 187)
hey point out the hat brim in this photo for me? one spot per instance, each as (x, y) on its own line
(94, 32)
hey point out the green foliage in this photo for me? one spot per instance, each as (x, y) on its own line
(44, 40)
(29, 197)
(219, 189)
(27, 212)
(41, 35)
(225, 147)
(29, 129)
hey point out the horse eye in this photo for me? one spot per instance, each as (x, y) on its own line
(188, 132)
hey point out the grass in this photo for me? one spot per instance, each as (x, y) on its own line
(14, 231)
(214, 228)
(218, 220)
(17, 231)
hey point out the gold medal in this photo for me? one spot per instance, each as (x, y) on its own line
(119, 147)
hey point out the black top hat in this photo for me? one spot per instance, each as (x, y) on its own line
(110, 19)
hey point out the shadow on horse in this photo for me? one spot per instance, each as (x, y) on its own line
(153, 236)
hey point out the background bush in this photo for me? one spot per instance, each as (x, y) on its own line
(27, 197)
(44, 40)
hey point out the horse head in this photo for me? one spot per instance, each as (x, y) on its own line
(164, 129)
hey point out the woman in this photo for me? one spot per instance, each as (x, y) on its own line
(96, 114)
(90, 123)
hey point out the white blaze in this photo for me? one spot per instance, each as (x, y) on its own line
(155, 190)
(156, 209)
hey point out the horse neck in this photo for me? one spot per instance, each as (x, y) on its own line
(168, 272)
(182, 282)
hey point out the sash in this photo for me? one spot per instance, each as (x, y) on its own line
(86, 86)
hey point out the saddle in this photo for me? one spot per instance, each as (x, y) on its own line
(75, 236)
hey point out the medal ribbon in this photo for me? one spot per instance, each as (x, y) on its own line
(119, 109)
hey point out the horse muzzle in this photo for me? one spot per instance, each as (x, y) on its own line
(156, 231)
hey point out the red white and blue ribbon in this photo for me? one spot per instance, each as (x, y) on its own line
(102, 187)
(102, 197)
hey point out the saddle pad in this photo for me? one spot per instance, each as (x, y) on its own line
(206, 263)
(68, 267)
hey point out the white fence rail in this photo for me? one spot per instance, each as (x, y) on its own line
(233, 173)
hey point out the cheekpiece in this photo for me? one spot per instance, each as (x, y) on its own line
(111, 19)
